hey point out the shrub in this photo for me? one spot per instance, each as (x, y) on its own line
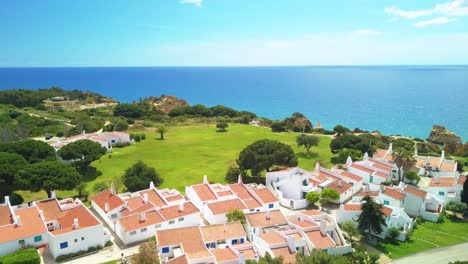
(121, 144)
(23, 256)
(108, 244)
(394, 232)
(63, 258)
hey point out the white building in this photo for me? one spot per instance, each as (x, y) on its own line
(447, 188)
(106, 139)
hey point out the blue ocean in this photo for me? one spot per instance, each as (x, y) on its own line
(404, 100)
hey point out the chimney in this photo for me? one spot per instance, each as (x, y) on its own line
(340, 183)
(416, 149)
(241, 258)
(41, 214)
(291, 243)
(205, 179)
(239, 179)
(442, 156)
(145, 197)
(106, 207)
(181, 206)
(112, 188)
(366, 156)
(437, 180)
(7, 200)
(317, 167)
(52, 194)
(18, 220)
(151, 185)
(349, 161)
(268, 215)
(402, 186)
(390, 148)
(143, 217)
(76, 224)
(323, 227)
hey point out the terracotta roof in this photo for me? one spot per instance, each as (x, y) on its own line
(303, 224)
(225, 206)
(179, 260)
(5, 215)
(31, 225)
(359, 167)
(448, 166)
(224, 193)
(352, 176)
(311, 212)
(248, 253)
(172, 212)
(352, 207)
(265, 195)
(370, 193)
(67, 217)
(387, 211)
(272, 238)
(415, 191)
(320, 241)
(395, 194)
(174, 198)
(50, 208)
(143, 208)
(381, 166)
(240, 190)
(223, 254)
(382, 175)
(285, 253)
(380, 153)
(443, 182)
(222, 232)
(154, 197)
(134, 203)
(106, 196)
(335, 185)
(461, 179)
(190, 238)
(133, 222)
(251, 203)
(259, 219)
(204, 192)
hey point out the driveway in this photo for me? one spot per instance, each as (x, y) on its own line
(437, 256)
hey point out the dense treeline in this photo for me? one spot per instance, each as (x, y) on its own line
(33, 98)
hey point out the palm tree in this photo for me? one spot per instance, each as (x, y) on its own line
(161, 130)
(404, 159)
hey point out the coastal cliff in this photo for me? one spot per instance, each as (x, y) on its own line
(442, 136)
(166, 103)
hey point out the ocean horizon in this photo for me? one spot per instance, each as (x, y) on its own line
(395, 100)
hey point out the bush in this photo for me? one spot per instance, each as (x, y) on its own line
(23, 256)
(100, 186)
(63, 258)
(108, 244)
(121, 144)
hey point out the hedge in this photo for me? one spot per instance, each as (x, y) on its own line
(23, 256)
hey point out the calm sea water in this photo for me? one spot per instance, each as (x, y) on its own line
(404, 100)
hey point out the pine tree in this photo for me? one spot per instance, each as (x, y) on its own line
(372, 218)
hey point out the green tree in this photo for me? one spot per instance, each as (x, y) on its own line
(307, 141)
(351, 229)
(147, 253)
(236, 216)
(121, 125)
(327, 195)
(221, 110)
(30, 149)
(267, 259)
(371, 219)
(278, 126)
(350, 141)
(10, 164)
(129, 110)
(341, 130)
(263, 154)
(404, 159)
(82, 152)
(312, 197)
(232, 174)
(221, 126)
(456, 207)
(161, 130)
(412, 176)
(139, 176)
(343, 155)
(48, 176)
(81, 190)
(464, 194)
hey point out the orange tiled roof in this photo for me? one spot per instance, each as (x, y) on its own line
(351, 176)
(222, 232)
(251, 203)
(353, 207)
(154, 197)
(311, 212)
(416, 191)
(265, 195)
(204, 192)
(31, 225)
(382, 175)
(172, 212)
(248, 253)
(320, 241)
(272, 238)
(133, 222)
(387, 211)
(259, 219)
(135, 202)
(303, 224)
(50, 208)
(443, 182)
(359, 167)
(223, 254)
(461, 179)
(106, 196)
(370, 193)
(240, 190)
(179, 260)
(394, 194)
(224, 193)
(66, 219)
(225, 206)
(285, 253)
(335, 185)
(5, 215)
(189, 237)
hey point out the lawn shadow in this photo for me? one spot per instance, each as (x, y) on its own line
(90, 174)
(304, 155)
(221, 131)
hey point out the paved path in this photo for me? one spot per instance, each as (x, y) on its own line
(440, 255)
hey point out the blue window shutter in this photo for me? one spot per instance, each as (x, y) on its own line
(270, 205)
(63, 245)
(242, 240)
(165, 250)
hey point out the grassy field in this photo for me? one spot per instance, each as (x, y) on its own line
(191, 151)
(426, 236)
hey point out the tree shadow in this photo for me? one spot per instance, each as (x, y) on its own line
(304, 155)
(89, 174)
(221, 131)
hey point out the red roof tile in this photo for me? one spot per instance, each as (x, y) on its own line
(395, 194)
(106, 196)
(133, 222)
(415, 191)
(172, 212)
(320, 241)
(265, 195)
(31, 225)
(204, 192)
(225, 206)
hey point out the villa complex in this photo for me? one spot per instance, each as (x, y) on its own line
(106, 139)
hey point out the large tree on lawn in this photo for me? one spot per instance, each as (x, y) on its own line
(372, 218)
(307, 141)
(10, 164)
(139, 176)
(48, 176)
(263, 154)
(83, 152)
(30, 149)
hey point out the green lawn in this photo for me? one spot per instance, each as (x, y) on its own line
(191, 151)
(426, 236)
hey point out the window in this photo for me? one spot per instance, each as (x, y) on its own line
(242, 240)
(165, 250)
(76, 240)
(385, 202)
(171, 222)
(63, 245)
(143, 230)
(270, 205)
(113, 215)
(234, 241)
(252, 210)
(132, 233)
(371, 180)
(82, 238)
(181, 219)
(157, 226)
(441, 193)
(38, 238)
(211, 245)
(21, 242)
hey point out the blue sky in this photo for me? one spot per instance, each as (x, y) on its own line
(232, 32)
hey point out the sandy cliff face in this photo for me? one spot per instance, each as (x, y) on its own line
(441, 135)
(166, 103)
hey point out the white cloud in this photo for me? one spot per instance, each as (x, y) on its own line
(434, 21)
(455, 8)
(367, 32)
(193, 2)
(407, 14)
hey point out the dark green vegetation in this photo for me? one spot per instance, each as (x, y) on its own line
(139, 176)
(236, 216)
(23, 256)
(82, 152)
(321, 257)
(371, 219)
(307, 141)
(66, 257)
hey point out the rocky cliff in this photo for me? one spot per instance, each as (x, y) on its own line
(443, 136)
(166, 103)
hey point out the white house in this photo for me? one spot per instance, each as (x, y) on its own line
(106, 139)
(447, 188)
(20, 227)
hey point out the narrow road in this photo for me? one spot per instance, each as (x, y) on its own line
(440, 255)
